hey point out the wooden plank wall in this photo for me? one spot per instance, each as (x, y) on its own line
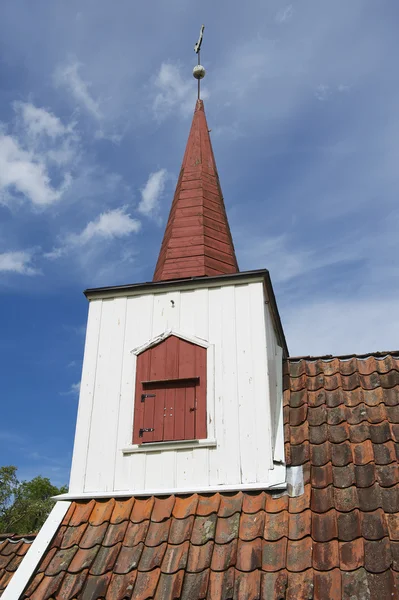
(232, 319)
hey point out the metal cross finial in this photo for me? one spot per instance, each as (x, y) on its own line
(199, 71)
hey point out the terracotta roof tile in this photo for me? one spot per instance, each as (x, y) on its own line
(324, 526)
(299, 554)
(247, 585)
(208, 504)
(157, 533)
(73, 535)
(102, 512)
(249, 555)
(227, 529)
(388, 475)
(93, 535)
(162, 508)
(105, 559)
(136, 533)
(47, 587)
(175, 558)
(122, 510)
(276, 526)
(152, 556)
(47, 559)
(299, 525)
(224, 556)
(328, 585)
(128, 559)
(325, 555)
(300, 585)
(302, 502)
(252, 526)
(81, 512)
(343, 476)
(203, 529)
(115, 533)
(185, 506)
(230, 504)
(180, 530)
(374, 526)
(61, 561)
(253, 502)
(349, 525)
(221, 585)
(83, 559)
(170, 586)
(274, 585)
(338, 540)
(96, 587)
(274, 555)
(377, 555)
(351, 554)
(71, 585)
(142, 509)
(121, 586)
(199, 557)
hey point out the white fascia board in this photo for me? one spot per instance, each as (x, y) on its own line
(32, 558)
(173, 287)
(167, 492)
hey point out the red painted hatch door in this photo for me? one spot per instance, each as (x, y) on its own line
(170, 398)
(169, 411)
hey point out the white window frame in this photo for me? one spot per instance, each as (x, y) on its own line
(210, 440)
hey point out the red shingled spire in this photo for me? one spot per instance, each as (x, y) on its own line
(197, 240)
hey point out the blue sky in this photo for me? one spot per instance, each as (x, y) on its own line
(96, 99)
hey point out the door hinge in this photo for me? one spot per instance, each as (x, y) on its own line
(146, 430)
(144, 396)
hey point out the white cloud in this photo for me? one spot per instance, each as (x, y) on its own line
(69, 77)
(38, 143)
(39, 121)
(17, 262)
(173, 91)
(285, 14)
(23, 172)
(107, 226)
(73, 390)
(152, 192)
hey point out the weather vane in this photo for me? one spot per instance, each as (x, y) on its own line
(199, 71)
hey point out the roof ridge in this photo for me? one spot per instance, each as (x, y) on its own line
(327, 357)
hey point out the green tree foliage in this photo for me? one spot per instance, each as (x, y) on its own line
(25, 505)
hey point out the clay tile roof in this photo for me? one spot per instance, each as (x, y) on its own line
(12, 550)
(338, 540)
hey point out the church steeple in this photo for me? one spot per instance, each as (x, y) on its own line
(197, 240)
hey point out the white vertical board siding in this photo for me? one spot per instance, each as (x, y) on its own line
(275, 376)
(104, 422)
(86, 398)
(263, 455)
(139, 320)
(231, 318)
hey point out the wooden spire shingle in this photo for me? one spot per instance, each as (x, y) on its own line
(197, 240)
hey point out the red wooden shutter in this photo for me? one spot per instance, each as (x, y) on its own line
(170, 399)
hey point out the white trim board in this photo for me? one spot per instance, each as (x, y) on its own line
(157, 492)
(174, 445)
(32, 558)
(166, 334)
